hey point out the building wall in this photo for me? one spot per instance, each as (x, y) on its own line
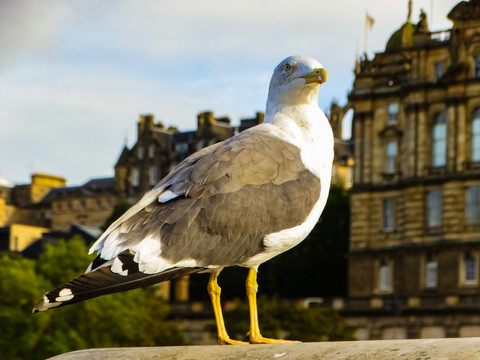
(82, 210)
(159, 149)
(21, 236)
(42, 183)
(398, 243)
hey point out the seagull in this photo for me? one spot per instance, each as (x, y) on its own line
(239, 202)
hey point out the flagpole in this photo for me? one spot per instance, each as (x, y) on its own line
(368, 26)
(365, 40)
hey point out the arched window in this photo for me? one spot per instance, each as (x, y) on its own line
(476, 135)
(439, 140)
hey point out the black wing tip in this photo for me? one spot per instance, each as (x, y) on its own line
(46, 304)
(103, 282)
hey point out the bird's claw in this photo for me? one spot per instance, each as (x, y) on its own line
(228, 341)
(264, 340)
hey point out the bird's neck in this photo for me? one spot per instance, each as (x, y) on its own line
(290, 100)
(304, 123)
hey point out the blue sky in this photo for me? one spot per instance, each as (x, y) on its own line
(75, 75)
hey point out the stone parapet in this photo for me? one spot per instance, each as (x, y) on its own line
(439, 349)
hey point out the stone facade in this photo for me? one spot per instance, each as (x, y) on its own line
(159, 149)
(89, 204)
(415, 240)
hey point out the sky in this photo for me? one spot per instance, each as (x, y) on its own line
(75, 75)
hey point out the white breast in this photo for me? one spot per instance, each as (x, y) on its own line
(315, 139)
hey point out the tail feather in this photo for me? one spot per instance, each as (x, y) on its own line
(103, 281)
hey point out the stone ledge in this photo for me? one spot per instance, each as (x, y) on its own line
(434, 349)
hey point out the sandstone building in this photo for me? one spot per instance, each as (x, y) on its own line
(159, 149)
(415, 241)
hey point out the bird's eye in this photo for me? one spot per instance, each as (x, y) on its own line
(287, 67)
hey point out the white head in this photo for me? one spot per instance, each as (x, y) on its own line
(295, 81)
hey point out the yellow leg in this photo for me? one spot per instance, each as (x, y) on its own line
(255, 336)
(214, 291)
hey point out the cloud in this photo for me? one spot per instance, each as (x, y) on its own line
(29, 26)
(75, 75)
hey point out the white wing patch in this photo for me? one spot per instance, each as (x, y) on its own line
(117, 267)
(167, 196)
(159, 264)
(64, 295)
(147, 250)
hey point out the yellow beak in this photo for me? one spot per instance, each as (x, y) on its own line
(317, 76)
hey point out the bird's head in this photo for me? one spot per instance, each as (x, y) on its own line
(295, 81)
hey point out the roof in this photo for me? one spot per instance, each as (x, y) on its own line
(465, 10)
(184, 136)
(100, 184)
(122, 160)
(90, 188)
(402, 38)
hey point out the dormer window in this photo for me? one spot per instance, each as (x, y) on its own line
(392, 113)
(140, 151)
(151, 151)
(135, 179)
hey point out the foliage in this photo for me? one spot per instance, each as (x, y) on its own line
(280, 317)
(134, 318)
(19, 289)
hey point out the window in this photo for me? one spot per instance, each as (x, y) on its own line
(140, 152)
(470, 270)
(439, 142)
(392, 113)
(153, 175)
(151, 151)
(135, 176)
(476, 135)
(472, 211)
(434, 209)
(181, 148)
(388, 214)
(385, 278)
(438, 68)
(431, 274)
(391, 163)
(477, 67)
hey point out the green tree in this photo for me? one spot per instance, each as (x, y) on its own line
(134, 318)
(275, 317)
(20, 287)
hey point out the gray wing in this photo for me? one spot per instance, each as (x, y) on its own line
(216, 206)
